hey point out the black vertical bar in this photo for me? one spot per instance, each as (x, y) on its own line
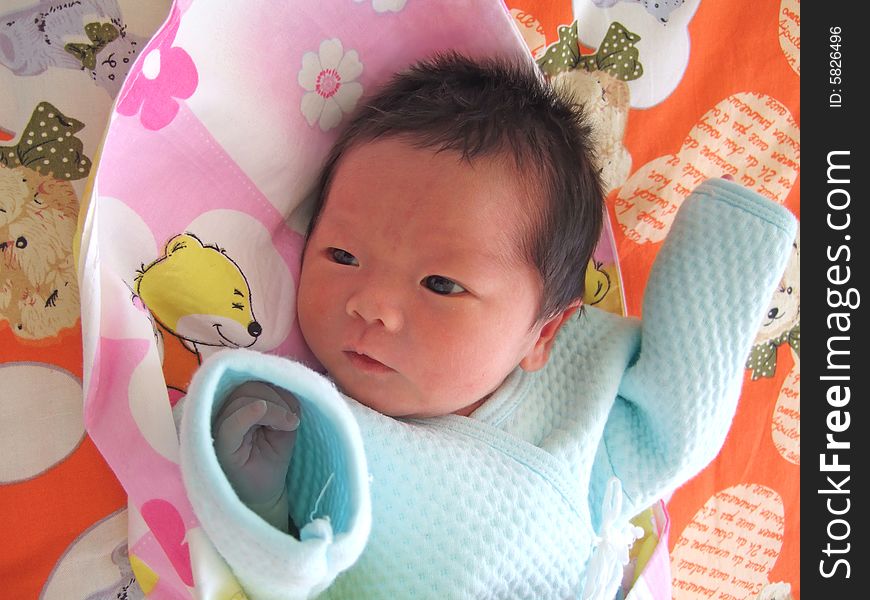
(835, 355)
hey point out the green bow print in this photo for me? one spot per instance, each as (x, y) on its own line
(762, 359)
(101, 35)
(49, 146)
(616, 55)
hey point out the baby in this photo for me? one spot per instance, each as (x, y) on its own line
(448, 245)
(455, 217)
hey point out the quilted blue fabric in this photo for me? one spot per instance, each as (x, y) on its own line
(506, 504)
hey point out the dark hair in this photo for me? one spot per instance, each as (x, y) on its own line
(496, 108)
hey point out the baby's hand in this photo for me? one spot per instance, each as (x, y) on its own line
(255, 431)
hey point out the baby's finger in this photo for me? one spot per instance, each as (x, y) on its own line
(269, 394)
(243, 395)
(232, 429)
(278, 417)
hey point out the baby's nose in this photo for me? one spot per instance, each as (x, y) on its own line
(375, 308)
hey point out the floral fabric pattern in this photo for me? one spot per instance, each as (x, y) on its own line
(166, 74)
(328, 77)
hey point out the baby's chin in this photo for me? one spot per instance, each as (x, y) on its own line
(382, 401)
(414, 408)
(391, 402)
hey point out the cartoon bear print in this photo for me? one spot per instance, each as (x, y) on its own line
(600, 82)
(199, 294)
(38, 287)
(607, 101)
(88, 35)
(781, 323)
(38, 210)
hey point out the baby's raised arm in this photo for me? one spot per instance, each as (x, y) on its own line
(703, 305)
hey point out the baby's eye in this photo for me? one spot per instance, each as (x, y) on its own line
(442, 285)
(343, 257)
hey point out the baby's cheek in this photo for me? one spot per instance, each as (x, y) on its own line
(311, 314)
(460, 366)
(312, 289)
(303, 307)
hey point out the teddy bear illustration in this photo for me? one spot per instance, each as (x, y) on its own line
(38, 209)
(87, 35)
(781, 323)
(600, 81)
(198, 294)
(607, 102)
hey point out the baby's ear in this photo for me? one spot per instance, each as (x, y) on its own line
(540, 352)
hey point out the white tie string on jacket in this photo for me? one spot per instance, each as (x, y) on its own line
(604, 572)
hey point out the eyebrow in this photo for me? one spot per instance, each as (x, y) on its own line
(510, 254)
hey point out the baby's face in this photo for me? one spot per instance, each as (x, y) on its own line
(413, 294)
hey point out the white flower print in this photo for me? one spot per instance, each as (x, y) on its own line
(386, 5)
(328, 78)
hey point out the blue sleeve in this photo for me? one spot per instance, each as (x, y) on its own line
(267, 562)
(703, 305)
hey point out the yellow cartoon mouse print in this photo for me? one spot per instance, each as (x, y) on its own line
(200, 295)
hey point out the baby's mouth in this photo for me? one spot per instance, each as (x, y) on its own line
(366, 363)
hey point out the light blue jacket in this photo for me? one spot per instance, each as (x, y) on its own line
(508, 503)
